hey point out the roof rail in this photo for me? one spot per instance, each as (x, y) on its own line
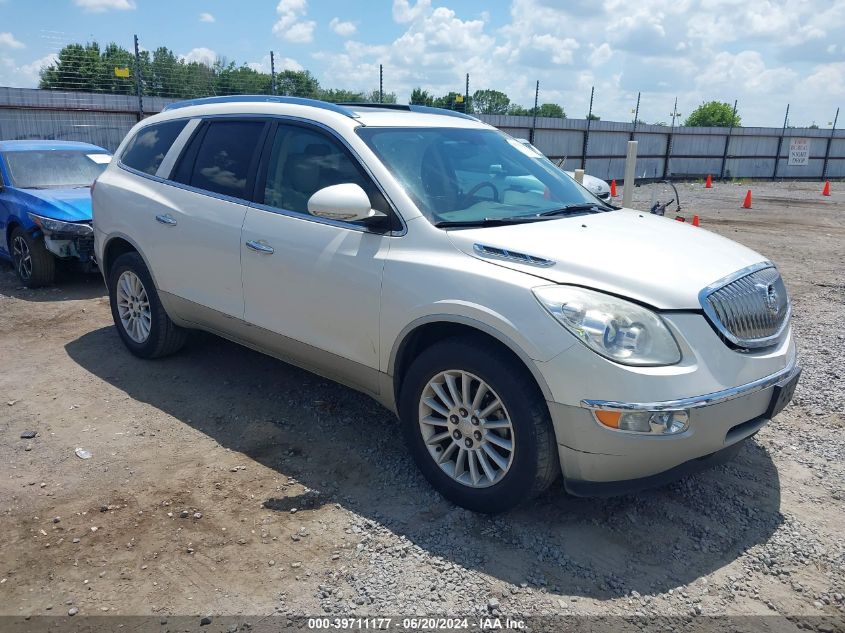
(314, 103)
(409, 108)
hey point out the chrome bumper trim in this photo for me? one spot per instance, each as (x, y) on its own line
(696, 401)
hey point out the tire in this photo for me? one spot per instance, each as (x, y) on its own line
(531, 465)
(144, 327)
(34, 264)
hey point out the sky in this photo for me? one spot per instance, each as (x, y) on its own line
(763, 53)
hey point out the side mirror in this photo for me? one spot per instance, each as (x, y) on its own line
(347, 202)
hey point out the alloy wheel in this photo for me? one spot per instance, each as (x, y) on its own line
(133, 306)
(22, 257)
(466, 428)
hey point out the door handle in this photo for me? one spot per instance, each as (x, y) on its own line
(260, 247)
(166, 219)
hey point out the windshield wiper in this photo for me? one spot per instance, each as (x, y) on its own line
(576, 208)
(488, 221)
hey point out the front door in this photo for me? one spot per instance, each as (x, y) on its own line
(314, 282)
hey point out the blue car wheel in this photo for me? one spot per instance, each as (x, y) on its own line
(34, 265)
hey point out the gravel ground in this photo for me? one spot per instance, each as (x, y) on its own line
(224, 482)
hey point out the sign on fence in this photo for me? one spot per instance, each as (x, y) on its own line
(799, 151)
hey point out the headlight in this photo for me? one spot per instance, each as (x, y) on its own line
(57, 226)
(617, 329)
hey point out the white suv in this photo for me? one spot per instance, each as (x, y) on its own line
(516, 324)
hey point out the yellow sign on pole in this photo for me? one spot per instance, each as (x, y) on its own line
(121, 72)
(459, 98)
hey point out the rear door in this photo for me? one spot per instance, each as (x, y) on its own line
(199, 214)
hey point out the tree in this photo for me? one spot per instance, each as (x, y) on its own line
(517, 110)
(713, 114)
(386, 97)
(551, 110)
(490, 102)
(453, 101)
(421, 97)
(298, 83)
(593, 117)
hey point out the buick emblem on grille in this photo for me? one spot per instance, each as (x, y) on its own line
(772, 299)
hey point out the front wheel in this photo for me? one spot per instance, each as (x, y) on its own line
(136, 309)
(33, 263)
(477, 425)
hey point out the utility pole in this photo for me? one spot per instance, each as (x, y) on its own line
(829, 142)
(138, 84)
(669, 140)
(636, 116)
(587, 131)
(272, 73)
(780, 143)
(536, 107)
(380, 83)
(728, 142)
(466, 96)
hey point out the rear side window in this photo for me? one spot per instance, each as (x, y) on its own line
(221, 159)
(149, 146)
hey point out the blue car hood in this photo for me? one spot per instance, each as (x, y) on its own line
(68, 205)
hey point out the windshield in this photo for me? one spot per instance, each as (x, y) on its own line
(55, 168)
(459, 175)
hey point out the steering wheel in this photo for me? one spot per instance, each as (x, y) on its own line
(469, 194)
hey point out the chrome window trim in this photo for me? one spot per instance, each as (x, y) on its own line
(696, 402)
(713, 318)
(165, 169)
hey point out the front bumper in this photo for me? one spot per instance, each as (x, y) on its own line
(599, 461)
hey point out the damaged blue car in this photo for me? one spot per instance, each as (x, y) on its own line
(45, 205)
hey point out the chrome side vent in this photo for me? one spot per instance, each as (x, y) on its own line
(500, 253)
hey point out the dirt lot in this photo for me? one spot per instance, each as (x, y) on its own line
(224, 482)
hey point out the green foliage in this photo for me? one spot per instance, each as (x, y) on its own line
(453, 101)
(593, 117)
(713, 114)
(490, 102)
(421, 97)
(551, 110)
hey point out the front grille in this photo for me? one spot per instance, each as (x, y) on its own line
(750, 311)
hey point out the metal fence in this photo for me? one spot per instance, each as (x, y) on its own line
(598, 146)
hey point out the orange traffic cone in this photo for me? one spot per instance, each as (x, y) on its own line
(708, 184)
(695, 221)
(826, 190)
(747, 203)
(612, 188)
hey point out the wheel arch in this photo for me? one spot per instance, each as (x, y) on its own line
(426, 331)
(115, 246)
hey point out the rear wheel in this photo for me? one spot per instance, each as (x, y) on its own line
(33, 263)
(138, 314)
(477, 425)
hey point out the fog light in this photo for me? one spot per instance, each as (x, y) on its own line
(657, 422)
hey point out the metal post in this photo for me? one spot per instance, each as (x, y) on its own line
(272, 73)
(587, 131)
(466, 96)
(534, 123)
(829, 142)
(380, 83)
(669, 139)
(636, 117)
(630, 170)
(780, 143)
(727, 144)
(138, 83)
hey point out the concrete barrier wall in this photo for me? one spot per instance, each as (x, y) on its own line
(682, 152)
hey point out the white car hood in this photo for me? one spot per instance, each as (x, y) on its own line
(652, 259)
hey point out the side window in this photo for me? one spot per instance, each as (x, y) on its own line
(221, 161)
(303, 161)
(149, 146)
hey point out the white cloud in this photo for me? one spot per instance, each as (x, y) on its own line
(344, 29)
(7, 40)
(98, 6)
(403, 12)
(206, 17)
(290, 26)
(24, 75)
(601, 55)
(200, 55)
(282, 63)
